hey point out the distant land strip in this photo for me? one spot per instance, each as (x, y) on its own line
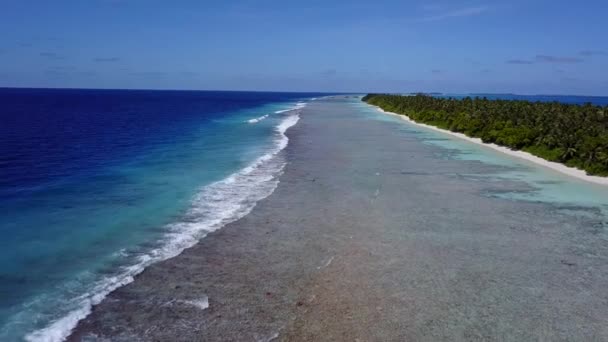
(570, 134)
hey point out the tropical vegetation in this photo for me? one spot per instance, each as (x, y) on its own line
(575, 135)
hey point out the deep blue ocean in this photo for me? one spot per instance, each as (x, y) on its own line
(97, 184)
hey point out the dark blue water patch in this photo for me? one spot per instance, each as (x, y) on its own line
(49, 134)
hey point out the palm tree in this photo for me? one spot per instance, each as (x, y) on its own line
(573, 133)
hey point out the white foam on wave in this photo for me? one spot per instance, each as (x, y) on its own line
(272, 337)
(213, 207)
(256, 120)
(202, 303)
(327, 263)
(297, 106)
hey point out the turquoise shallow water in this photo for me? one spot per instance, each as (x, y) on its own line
(547, 185)
(127, 178)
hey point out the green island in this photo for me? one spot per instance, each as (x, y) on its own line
(575, 135)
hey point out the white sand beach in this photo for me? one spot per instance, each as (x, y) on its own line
(570, 171)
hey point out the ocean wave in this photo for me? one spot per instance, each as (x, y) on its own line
(297, 106)
(216, 205)
(202, 303)
(256, 120)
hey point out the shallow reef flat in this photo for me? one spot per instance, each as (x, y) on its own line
(376, 234)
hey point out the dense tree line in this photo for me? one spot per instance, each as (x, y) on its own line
(576, 135)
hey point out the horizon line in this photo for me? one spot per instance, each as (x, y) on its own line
(303, 92)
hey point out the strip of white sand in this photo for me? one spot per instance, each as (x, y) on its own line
(570, 171)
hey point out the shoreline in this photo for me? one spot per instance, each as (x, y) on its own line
(561, 168)
(256, 181)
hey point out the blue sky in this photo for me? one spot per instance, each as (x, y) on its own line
(530, 47)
